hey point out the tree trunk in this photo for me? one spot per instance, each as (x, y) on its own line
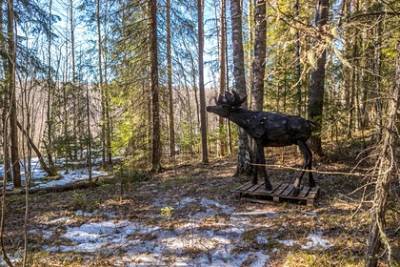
(101, 89)
(260, 21)
(16, 170)
(170, 91)
(89, 144)
(156, 143)
(377, 73)
(222, 75)
(386, 172)
(75, 95)
(298, 63)
(108, 123)
(243, 166)
(50, 89)
(203, 118)
(5, 103)
(317, 86)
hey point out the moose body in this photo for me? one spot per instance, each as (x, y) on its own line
(268, 129)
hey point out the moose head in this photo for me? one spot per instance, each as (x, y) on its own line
(227, 103)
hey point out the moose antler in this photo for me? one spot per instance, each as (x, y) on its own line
(230, 99)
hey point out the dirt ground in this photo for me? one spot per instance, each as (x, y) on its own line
(187, 216)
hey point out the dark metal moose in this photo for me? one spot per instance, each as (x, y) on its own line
(268, 129)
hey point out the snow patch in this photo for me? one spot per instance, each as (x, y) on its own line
(288, 243)
(316, 241)
(70, 177)
(262, 240)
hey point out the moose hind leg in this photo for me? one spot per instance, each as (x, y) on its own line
(311, 180)
(255, 168)
(261, 156)
(304, 150)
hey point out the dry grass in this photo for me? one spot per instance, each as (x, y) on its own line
(335, 215)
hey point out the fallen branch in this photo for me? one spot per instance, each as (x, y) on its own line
(49, 171)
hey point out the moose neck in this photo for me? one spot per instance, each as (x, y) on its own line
(241, 117)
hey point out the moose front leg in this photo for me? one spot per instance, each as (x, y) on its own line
(261, 167)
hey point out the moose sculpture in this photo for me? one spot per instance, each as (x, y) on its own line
(268, 129)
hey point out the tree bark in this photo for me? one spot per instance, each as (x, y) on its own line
(50, 89)
(75, 95)
(298, 63)
(203, 118)
(101, 89)
(170, 91)
(260, 21)
(386, 172)
(108, 123)
(16, 170)
(317, 82)
(156, 143)
(222, 75)
(5, 102)
(377, 73)
(89, 132)
(243, 166)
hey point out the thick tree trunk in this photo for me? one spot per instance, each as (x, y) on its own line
(260, 40)
(170, 91)
(222, 75)
(16, 170)
(156, 143)
(243, 165)
(317, 86)
(203, 118)
(5, 103)
(386, 172)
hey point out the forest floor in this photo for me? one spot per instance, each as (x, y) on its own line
(186, 216)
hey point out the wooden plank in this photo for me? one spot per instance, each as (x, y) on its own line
(247, 186)
(277, 192)
(313, 192)
(282, 192)
(260, 187)
(255, 187)
(240, 188)
(287, 191)
(304, 191)
(312, 196)
(281, 189)
(277, 188)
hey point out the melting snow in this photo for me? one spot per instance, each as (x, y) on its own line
(38, 175)
(288, 243)
(316, 241)
(70, 177)
(262, 240)
(213, 247)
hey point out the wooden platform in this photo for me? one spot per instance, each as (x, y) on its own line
(282, 193)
